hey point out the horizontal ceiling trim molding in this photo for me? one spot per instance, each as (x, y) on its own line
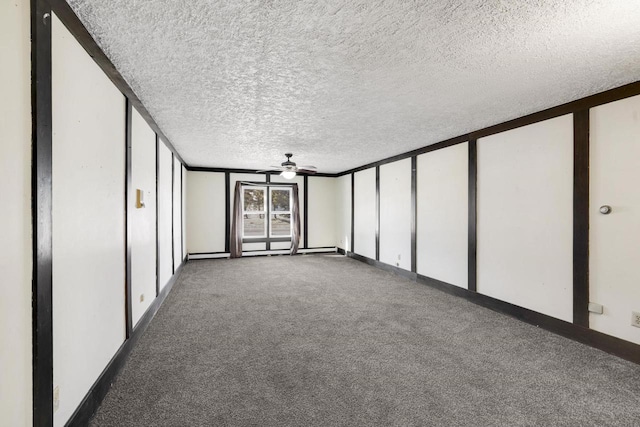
(70, 20)
(253, 171)
(611, 95)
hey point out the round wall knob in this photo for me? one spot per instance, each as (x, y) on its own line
(605, 209)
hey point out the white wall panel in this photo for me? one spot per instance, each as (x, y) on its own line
(525, 217)
(183, 214)
(343, 212)
(365, 213)
(15, 214)
(88, 220)
(205, 212)
(395, 213)
(143, 220)
(322, 211)
(614, 249)
(443, 217)
(177, 213)
(165, 212)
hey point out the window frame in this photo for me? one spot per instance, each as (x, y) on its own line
(263, 212)
(289, 189)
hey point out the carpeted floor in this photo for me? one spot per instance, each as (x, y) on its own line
(326, 340)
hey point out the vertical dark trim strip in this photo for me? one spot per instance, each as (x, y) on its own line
(157, 211)
(353, 204)
(473, 215)
(306, 212)
(414, 213)
(181, 214)
(128, 193)
(41, 213)
(581, 218)
(267, 216)
(227, 211)
(377, 213)
(173, 237)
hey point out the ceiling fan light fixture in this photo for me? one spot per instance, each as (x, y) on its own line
(288, 174)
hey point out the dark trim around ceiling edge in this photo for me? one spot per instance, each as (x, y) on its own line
(101, 386)
(253, 171)
(611, 95)
(607, 343)
(70, 20)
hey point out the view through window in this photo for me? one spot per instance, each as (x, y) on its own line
(260, 203)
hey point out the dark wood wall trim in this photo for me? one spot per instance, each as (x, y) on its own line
(377, 213)
(616, 346)
(622, 92)
(305, 220)
(414, 213)
(353, 205)
(70, 20)
(473, 215)
(101, 386)
(41, 213)
(227, 210)
(128, 224)
(581, 218)
(232, 170)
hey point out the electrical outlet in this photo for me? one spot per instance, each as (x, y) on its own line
(56, 398)
(141, 297)
(635, 319)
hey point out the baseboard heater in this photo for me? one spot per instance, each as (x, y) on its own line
(214, 255)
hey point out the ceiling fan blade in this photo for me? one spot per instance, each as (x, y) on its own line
(267, 171)
(307, 169)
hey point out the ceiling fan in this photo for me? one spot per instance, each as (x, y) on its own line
(288, 169)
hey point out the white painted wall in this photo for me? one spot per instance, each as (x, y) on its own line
(442, 214)
(15, 214)
(365, 213)
(395, 213)
(164, 215)
(143, 220)
(343, 212)
(525, 217)
(177, 213)
(205, 212)
(322, 211)
(614, 249)
(88, 220)
(183, 202)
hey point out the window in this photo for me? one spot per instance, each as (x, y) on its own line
(280, 212)
(262, 203)
(254, 212)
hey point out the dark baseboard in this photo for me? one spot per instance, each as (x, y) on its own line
(101, 386)
(607, 343)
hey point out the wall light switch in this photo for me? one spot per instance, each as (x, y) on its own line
(56, 398)
(141, 297)
(139, 198)
(595, 308)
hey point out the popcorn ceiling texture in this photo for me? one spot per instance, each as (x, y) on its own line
(344, 83)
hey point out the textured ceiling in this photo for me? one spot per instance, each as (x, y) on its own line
(343, 83)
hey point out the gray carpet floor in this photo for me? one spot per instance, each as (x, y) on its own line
(326, 340)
